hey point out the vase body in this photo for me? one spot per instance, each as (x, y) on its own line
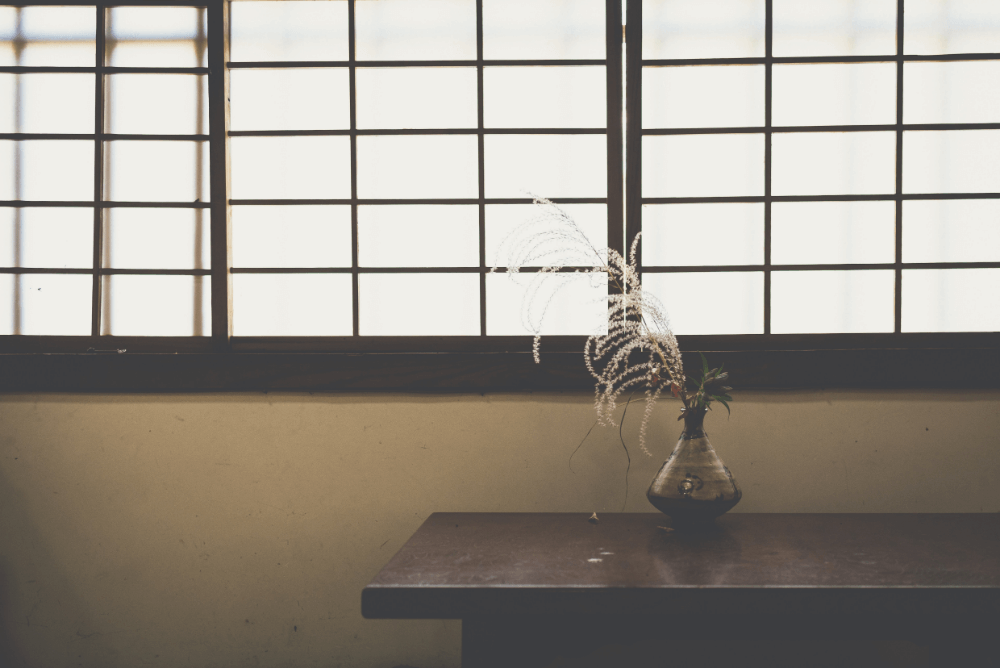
(693, 486)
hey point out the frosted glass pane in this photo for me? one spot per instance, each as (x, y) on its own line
(710, 303)
(543, 29)
(952, 26)
(555, 304)
(833, 232)
(418, 236)
(502, 220)
(291, 236)
(702, 234)
(157, 37)
(290, 167)
(834, 27)
(546, 165)
(50, 36)
(46, 238)
(951, 300)
(49, 170)
(150, 238)
(703, 165)
(157, 305)
(544, 97)
(833, 163)
(417, 97)
(415, 30)
(292, 305)
(965, 161)
(960, 92)
(46, 304)
(156, 171)
(290, 30)
(290, 99)
(418, 304)
(819, 302)
(856, 94)
(704, 29)
(951, 230)
(418, 166)
(157, 104)
(47, 103)
(703, 96)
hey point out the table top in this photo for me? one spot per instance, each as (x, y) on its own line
(458, 565)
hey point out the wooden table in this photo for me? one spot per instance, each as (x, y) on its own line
(553, 590)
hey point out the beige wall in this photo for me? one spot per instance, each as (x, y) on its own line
(239, 529)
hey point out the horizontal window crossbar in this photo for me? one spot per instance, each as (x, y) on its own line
(808, 60)
(107, 272)
(105, 205)
(468, 200)
(419, 131)
(822, 128)
(395, 270)
(42, 69)
(818, 267)
(26, 136)
(274, 64)
(817, 198)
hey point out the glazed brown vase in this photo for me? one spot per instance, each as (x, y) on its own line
(694, 486)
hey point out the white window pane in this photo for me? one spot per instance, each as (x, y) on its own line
(952, 26)
(418, 236)
(855, 94)
(157, 305)
(544, 97)
(157, 104)
(524, 304)
(834, 27)
(290, 30)
(960, 92)
(291, 236)
(46, 304)
(951, 230)
(710, 303)
(415, 30)
(951, 300)
(833, 232)
(417, 97)
(147, 238)
(292, 305)
(546, 165)
(704, 29)
(50, 36)
(833, 163)
(507, 225)
(703, 96)
(157, 37)
(543, 29)
(965, 161)
(817, 302)
(702, 234)
(418, 304)
(46, 238)
(49, 170)
(290, 167)
(290, 99)
(49, 102)
(703, 165)
(418, 166)
(156, 171)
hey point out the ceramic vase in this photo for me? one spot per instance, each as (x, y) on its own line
(693, 486)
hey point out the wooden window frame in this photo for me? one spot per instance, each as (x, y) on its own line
(221, 362)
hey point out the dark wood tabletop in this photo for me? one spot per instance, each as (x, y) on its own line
(459, 565)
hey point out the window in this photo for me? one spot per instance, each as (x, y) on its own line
(817, 184)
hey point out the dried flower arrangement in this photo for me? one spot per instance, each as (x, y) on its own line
(639, 350)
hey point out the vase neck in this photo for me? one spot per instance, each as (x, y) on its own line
(694, 423)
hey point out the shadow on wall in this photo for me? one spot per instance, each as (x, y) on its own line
(40, 597)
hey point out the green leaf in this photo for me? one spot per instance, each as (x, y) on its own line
(723, 402)
(704, 365)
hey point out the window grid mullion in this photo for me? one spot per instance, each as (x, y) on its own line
(768, 79)
(355, 317)
(481, 141)
(898, 273)
(95, 315)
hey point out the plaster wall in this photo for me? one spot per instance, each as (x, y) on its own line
(238, 529)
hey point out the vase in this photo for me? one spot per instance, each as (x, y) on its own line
(693, 486)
